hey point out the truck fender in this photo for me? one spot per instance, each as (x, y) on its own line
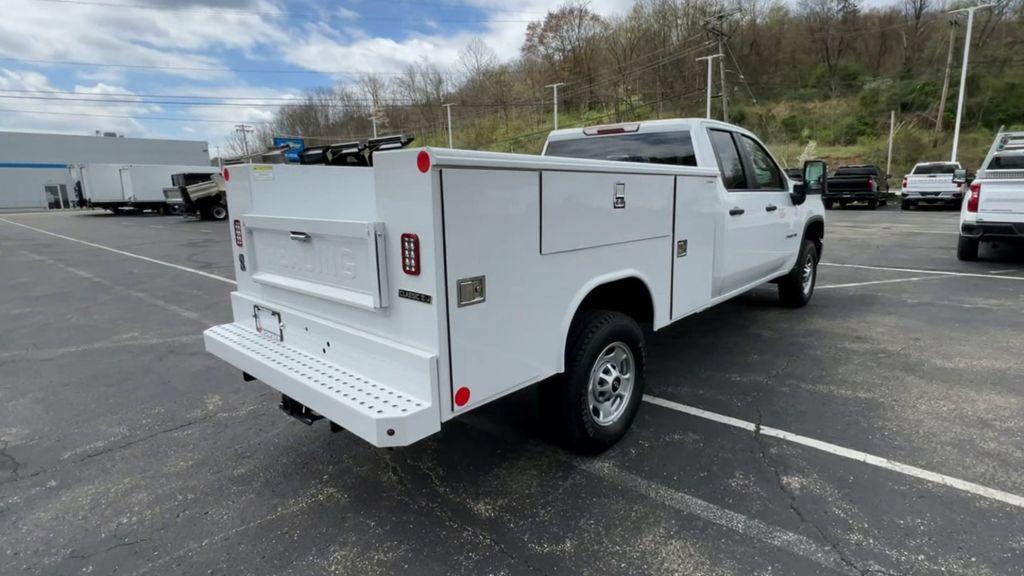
(585, 291)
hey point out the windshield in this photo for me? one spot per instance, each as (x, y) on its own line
(1009, 162)
(945, 168)
(651, 147)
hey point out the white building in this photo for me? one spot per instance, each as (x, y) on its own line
(39, 171)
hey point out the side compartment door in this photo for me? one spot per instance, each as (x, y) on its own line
(697, 219)
(491, 240)
(125, 176)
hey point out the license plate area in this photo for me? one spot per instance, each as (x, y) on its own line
(268, 323)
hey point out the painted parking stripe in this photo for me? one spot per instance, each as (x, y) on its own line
(920, 271)
(131, 254)
(751, 527)
(887, 464)
(891, 281)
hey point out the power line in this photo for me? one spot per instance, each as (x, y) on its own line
(195, 68)
(297, 103)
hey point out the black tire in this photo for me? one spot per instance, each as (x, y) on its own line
(904, 205)
(872, 204)
(828, 204)
(967, 249)
(793, 290)
(565, 400)
(218, 211)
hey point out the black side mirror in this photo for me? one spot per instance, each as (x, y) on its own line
(815, 181)
(960, 176)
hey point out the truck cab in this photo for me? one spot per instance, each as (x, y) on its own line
(994, 208)
(391, 296)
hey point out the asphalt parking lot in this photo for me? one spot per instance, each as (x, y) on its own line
(880, 430)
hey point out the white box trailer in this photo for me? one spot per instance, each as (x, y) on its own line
(137, 186)
(393, 298)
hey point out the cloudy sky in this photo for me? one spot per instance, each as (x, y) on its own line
(154, 68)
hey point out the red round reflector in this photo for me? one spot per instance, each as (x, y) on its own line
(462, 396)
(423, 163)
(227, 175)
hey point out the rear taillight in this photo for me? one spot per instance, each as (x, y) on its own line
(238, 233)
(975, 198)
(874, 186)
(904, 184)
(411, 254)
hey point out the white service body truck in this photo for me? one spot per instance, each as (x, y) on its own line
(137, 186)
(994, 208)
(390, 299)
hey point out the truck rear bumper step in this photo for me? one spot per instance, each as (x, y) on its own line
(369, 409)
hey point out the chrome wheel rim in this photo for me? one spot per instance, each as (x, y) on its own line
(807, 275)
(611, 384)
(219, 212)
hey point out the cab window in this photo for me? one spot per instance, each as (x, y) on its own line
(729, 160)
(767, 175)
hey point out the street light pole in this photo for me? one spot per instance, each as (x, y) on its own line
(449, 107)
(555, 98)
(710, 61)
(963, 74)
(373, 118)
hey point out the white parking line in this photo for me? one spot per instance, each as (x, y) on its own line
(892, 281)
(130, 254)
(892, 465)
(919, 271)
(781, 538)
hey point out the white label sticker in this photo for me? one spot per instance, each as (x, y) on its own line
(262, 172)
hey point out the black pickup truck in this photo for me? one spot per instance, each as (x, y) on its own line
(861, 183)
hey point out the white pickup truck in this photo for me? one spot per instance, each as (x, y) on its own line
(994, 209)
(389, 299)
(930, 183)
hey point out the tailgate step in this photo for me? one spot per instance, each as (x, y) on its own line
(372, 410)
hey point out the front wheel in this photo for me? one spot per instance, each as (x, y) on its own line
(797, 287)
(592, 405)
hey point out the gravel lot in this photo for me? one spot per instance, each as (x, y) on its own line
(879, 430)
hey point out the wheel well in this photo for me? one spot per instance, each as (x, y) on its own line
(628, 295)
(815, 232)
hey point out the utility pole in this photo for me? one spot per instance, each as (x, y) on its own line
(945, 82)
(721, 73)
(963, 73)
(555, 99)
(373, 119)
(892, 131)
(710, 60)
(449, 107)
(244, 130)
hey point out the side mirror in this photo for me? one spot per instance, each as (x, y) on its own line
(815, 181)
(960, 176)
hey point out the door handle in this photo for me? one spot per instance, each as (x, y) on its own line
(736, 211)
(771, 208)
(300, 236)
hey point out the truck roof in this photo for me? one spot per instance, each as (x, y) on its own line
(668, 125)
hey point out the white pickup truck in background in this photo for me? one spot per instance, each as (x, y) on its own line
(931, 183)
(391, 298)
(994, 209)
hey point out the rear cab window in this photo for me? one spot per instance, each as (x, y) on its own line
(857, 171)
(944, 168)
(674, 147)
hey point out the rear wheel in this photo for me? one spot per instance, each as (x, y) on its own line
(828, 204)
(905, 205)
(872, 204)
(797, 287)
(592, 405)
(967, 249)
(218, 211)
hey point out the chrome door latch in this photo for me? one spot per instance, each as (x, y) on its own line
(471, 290)
(619, 200)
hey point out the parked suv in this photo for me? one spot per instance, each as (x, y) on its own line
(859, 183)
(994, 209)
(931, 183)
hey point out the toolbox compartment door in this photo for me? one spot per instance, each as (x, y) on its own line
(334, 260)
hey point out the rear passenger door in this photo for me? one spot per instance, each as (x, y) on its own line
(779, 241)
(743, 256)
